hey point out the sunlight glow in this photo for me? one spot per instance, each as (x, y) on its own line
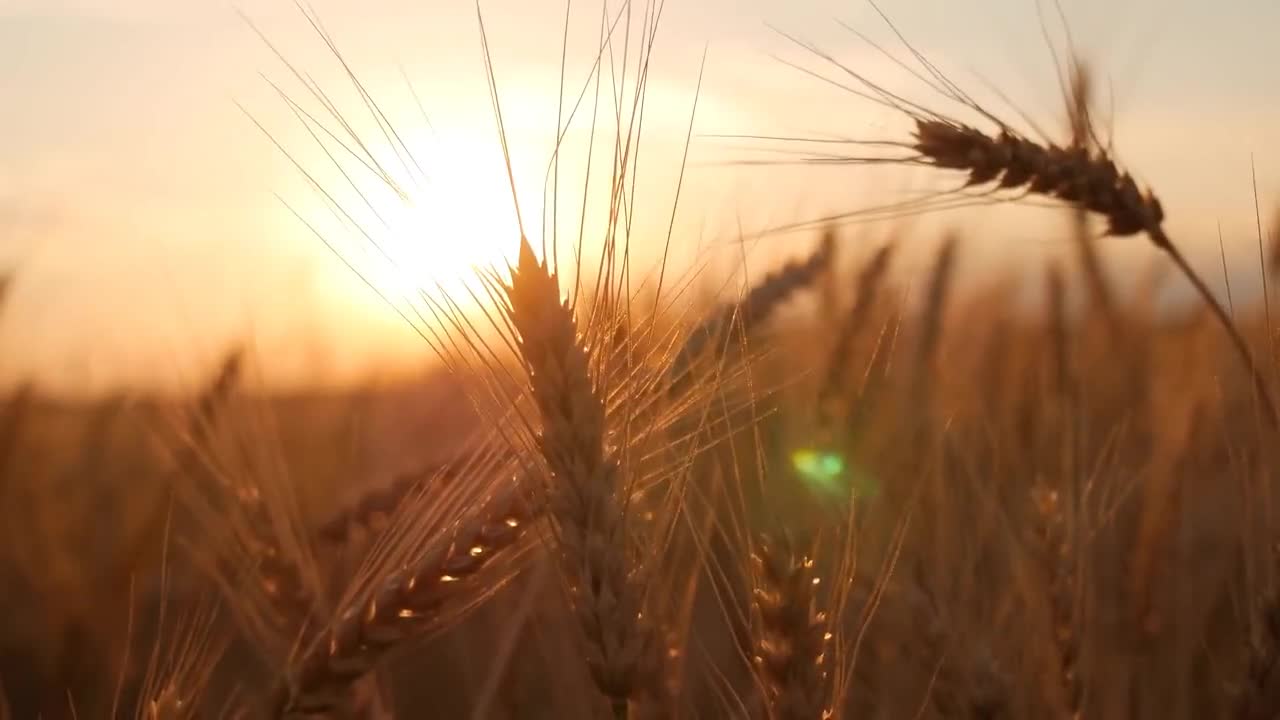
(456, 222)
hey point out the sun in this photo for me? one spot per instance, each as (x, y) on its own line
(462, 220)
(426, 234)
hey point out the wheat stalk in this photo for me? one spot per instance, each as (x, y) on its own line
(1273, 251)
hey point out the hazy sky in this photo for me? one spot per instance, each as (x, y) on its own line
(148, 219)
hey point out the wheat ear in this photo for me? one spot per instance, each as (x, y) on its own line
(1059, 565)
(1082, 178)
(870, 279)
(277, 576)
(587, 493)
(406, 602)
(791, 639)
(1082, 136)
(930, 332)
(751, 310)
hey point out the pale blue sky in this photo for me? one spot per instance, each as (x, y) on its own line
(139, 205)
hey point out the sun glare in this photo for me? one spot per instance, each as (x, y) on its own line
(452, 220)
(461, 221)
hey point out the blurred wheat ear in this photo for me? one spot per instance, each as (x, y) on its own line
(1059, 565)
(870, 279)
(715, 333)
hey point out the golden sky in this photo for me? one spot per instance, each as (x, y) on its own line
(148, 219)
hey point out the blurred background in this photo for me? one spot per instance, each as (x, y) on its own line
(147, 221)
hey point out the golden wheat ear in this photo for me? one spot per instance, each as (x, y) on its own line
(404, 609)
(587, 492)
(438, 556)
(791, 638)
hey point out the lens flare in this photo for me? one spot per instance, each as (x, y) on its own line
(828, 471)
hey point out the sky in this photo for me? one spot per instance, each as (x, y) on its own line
(153, 206)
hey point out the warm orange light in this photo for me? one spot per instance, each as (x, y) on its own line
(456, 222)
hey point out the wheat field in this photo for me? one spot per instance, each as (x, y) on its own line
(811, 499)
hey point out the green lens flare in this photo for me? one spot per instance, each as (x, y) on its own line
(820, 468)
(828, 472)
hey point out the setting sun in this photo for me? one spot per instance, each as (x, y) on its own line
(420, 216)
(453, 224)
